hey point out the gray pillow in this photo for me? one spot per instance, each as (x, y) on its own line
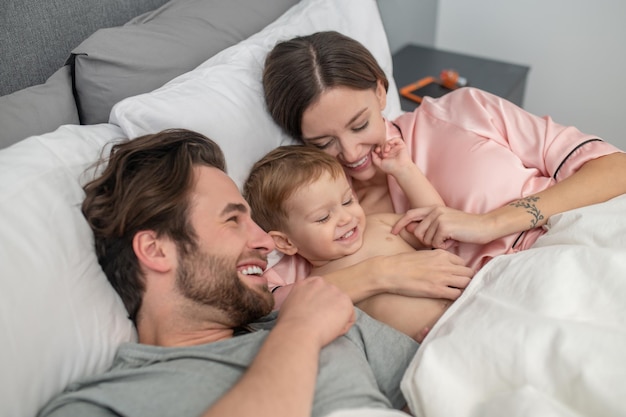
(153, 48)
(38, 109)
(37, 36)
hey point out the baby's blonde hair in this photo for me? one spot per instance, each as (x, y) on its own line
(278, 175)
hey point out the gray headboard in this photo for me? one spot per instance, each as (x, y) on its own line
(69, 61)
(37, 36)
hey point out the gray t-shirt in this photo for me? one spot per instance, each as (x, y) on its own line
(361, 369)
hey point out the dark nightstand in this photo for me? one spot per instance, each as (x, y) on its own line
(500, 78)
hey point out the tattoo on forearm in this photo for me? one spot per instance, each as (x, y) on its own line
(529, 204)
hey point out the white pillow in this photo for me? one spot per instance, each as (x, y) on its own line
(59, 317)
(223, 97)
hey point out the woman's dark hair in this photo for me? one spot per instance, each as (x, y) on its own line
(145, 186)
(297, 71)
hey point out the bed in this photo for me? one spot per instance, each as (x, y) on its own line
(541, 332)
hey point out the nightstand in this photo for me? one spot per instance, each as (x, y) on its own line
(413, 62)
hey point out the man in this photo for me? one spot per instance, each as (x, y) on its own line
(176, 240)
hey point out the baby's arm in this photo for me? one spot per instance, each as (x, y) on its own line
(393, 159)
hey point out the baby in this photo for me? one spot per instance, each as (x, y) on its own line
(302, 198)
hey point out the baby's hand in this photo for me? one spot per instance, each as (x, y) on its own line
(392, 156)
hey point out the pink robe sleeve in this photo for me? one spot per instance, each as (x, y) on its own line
(539, 142)
(481, 152)
(287, 271)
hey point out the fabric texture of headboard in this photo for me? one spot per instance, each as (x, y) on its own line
(37, 36)
(69, 62)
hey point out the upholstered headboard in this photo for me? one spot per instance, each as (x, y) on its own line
(69, 61)
(38, 36)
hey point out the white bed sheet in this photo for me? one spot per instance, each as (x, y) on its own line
(537, 333)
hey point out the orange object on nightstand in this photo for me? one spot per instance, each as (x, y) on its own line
(451, 79)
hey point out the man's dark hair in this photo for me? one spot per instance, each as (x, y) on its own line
(145, 186)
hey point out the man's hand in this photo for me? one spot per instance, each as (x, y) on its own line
(314, 314)
(319, 307)
(423, 273)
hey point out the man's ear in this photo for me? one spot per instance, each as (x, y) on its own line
(283, 244)
(381, 94)
(153, 252)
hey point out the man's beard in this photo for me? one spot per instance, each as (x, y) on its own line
(213, 280)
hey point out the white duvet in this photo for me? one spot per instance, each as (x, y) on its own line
(537, 333)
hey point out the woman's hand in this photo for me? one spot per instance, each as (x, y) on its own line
(439, 227)
(423, 273)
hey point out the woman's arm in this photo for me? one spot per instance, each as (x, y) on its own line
(597, 180)
(586, 170)
(425, 273)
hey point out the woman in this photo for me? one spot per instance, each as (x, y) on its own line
(501, 171)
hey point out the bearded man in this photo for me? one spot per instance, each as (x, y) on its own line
(176, 240)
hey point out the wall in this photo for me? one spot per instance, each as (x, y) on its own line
(409, 21)
(575, 49)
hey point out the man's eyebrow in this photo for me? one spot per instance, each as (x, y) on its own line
(234, 207)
